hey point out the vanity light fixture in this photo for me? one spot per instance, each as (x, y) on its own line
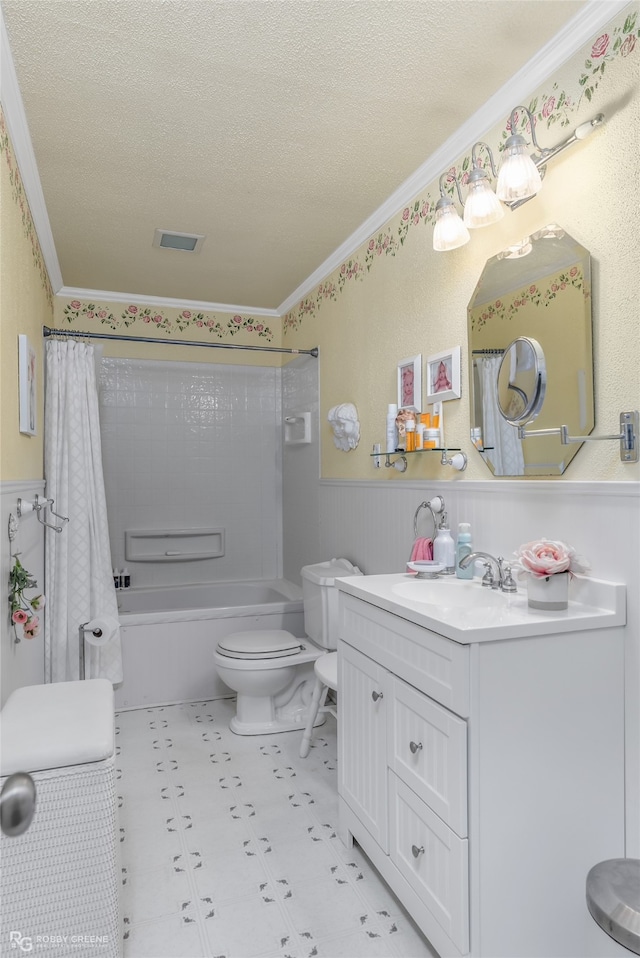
(482, 207)
(449, 231)
(519, 180)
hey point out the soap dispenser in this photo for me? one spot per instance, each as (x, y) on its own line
(444, 549)
(464, 548)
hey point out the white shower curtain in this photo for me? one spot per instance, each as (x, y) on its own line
(78, 575)
(506, 455)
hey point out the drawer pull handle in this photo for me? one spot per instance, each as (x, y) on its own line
(376, 695)
(415, 851)
(415, 747)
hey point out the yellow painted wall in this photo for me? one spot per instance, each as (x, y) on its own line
(395, 297)
(26, 304)
(383, 306)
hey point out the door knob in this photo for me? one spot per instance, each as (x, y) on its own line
(376, 695)
(415, 851)
(415, 747)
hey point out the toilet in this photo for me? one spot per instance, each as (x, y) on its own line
(272, 671)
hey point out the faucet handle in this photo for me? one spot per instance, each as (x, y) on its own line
(487, 579)
(508, 582)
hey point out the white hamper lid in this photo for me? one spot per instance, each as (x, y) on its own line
(262, 643)
(324, 573)
(57, 725)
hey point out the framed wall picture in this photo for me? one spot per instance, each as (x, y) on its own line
(410, 383)
(27, 379)
(443, 375)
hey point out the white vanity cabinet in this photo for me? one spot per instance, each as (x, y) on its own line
(482, 779)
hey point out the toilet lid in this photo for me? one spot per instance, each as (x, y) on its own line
(259, 645)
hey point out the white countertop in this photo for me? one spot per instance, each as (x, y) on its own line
(466, 612)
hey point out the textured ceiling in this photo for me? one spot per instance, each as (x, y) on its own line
(274, 128)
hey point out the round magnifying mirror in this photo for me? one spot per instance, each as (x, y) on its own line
(522, 381)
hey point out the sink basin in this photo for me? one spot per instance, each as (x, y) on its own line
(465, 611)
(454, 594)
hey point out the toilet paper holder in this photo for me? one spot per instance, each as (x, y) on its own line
(98, 630)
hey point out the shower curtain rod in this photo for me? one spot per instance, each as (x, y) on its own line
(46, 331)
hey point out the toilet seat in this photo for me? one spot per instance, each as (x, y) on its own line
(254, 646)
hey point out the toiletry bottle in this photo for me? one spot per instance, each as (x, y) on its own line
(464, 548)
(444, 548)
(437, 422)
(116, 579)
(392, 436)
(410, 428)
(125, 579)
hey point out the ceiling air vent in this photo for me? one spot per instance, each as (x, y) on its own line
(170, 239)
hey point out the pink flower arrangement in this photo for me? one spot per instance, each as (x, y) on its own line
(21, 608)
(546, 557)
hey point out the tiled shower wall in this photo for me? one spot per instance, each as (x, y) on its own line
(190, 445)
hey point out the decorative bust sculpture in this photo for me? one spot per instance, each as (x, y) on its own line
(345, 425)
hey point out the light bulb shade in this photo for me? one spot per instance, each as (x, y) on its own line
(482, 206)
(449, 231)
(518, 178)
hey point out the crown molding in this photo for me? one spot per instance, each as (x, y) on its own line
(18, 128)
(102, 295)
(548, 60)
(539, 68)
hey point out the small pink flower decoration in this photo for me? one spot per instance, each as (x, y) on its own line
(600, 46)
(19, 617)
(544, 557)
(32, 628)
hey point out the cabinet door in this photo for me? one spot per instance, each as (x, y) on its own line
(433, 859)
(362, 741)
(428, 750)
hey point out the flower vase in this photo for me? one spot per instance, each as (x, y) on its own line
(550, 593)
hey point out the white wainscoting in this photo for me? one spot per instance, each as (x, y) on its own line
(371, 523)
(22, 663)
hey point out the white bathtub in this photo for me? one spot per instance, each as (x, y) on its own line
(169, 635)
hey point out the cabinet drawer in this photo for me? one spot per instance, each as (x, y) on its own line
(433, 859)
(431, 663)
(428, 751)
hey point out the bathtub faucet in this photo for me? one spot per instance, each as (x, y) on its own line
(503, 579)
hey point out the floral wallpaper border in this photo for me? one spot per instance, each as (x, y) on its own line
(549, 108)
(157, 319)
(533, 294)
(20, 199)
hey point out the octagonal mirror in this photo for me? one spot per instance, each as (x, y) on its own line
(538, 291)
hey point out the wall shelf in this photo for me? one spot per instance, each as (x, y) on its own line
(398, 459)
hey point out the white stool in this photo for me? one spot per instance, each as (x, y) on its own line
(326, 670)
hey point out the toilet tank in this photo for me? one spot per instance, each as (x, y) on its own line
(320, 599)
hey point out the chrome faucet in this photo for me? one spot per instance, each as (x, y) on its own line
(503, 579)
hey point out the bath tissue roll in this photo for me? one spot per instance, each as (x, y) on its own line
(106, 627)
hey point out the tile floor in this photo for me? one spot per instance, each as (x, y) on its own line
(229, 846)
